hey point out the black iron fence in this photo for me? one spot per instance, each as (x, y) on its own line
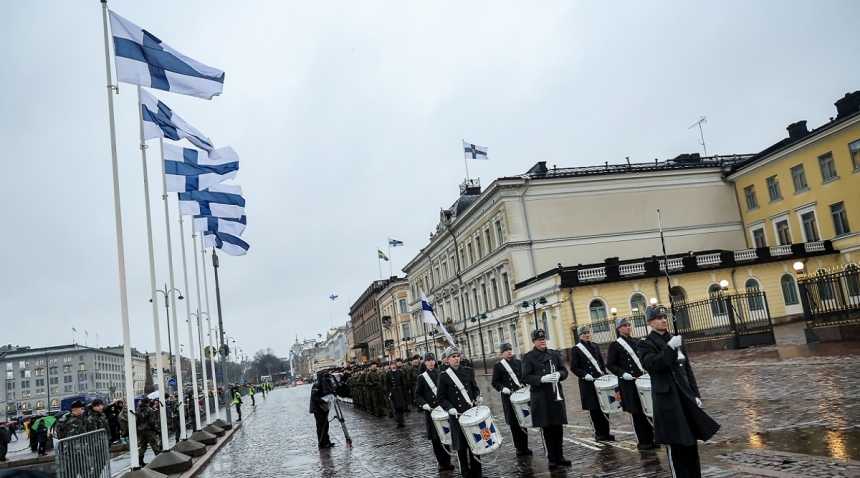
(831, 297)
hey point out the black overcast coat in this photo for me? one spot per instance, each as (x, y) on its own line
(677, 418)
(546, 410)
(502, 379)
(449, 396)
(424, 396)
(395, 387)
(619, 362)
(581, 366)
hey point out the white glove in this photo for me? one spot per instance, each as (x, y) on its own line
(675, 342)
(426, 407)
(479, 401)
(588, 378)
(506, 391)
(452, 412)
(546, 378)
(627, 376)
(698, 402)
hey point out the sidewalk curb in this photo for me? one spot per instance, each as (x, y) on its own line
(201, 464)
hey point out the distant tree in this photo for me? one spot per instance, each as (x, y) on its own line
(265, 361)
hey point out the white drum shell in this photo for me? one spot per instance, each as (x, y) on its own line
(481, 440)
(608, 394)
(443, 428)
(643, 387)
(521, 401)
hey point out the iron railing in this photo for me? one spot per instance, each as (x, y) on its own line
(85, 456)
(603, 331)
(831, 297)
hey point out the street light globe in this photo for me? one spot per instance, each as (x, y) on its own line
(798, 266)
(614, 311)
(724, 284)
(653, 301)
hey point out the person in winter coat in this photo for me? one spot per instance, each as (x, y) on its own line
(586, 362)
(395, 388)
(425, 398)
(319, 407)
(450, 397)
(5, 438)
(622, 359)
(508, 380)
(678, 417)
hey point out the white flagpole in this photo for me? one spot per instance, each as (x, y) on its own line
(177, 360)
(120, 250)
(379, 263)
(200, 329)
(191, 353)
(159, 362)
(390, 270)
(465, 161)
(209, 326)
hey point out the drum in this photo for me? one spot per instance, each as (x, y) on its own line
(443, 428)
(521, 400)
(608, 393)
(480, 431)
(643, 387)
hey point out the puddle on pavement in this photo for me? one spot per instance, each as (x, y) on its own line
(818, 441)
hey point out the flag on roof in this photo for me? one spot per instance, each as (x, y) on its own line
(474, 152)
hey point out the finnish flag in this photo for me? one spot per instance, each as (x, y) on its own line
(159, 121)
(230, 244)
(234, 227)
(184, 172)
(220, 200)
(142, 59)
(474, 152)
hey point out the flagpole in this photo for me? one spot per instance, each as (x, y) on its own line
(379, 263)
(177, 355)
(159, 362)
(200, 328)
(223, 348)
(191, 353)
(120, 250)
(209, 325)
(390, 270)
(465, 161)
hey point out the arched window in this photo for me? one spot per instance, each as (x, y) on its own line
(637, 305)
(597, 310)
(789, 289)
(718, 302)
(545, 324)
(55, 403)
(754, 296)
(40, 405)
(825, 287)
(852, 280)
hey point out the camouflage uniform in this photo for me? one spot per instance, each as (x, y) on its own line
(75, 425)
(377, 386)
(98, 421)
(147, 424)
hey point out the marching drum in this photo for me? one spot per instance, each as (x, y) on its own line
(480, 431)
(643, 387)
(608, 393)
(443, 428)
(521, 400)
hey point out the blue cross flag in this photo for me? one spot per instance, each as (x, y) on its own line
(220, 200)
(230, 244)
(184, 172)
(142, 59)
(159, 121)
(486, 434)
(233, 227)
(474, 152)
(394, 242)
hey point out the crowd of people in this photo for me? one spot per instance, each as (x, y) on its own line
(677, 422)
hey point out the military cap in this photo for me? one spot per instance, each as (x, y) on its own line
(658, 310)
(454, 351)
(97, 402)
(583, 329)
(447, 352)
(538, 334)
(429, 356)
(505, 346)
(416, 356)
(77, 404)
(621, 322)
(144, 399)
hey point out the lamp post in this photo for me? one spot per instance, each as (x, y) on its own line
(533, 304)
(478, 318)
(226, 372)
(167, 292)
(804, 293)
(433, 339)
(730, 310)
(406, 341)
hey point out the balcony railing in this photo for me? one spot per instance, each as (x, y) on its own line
(746, 255)
(817, 246)
(783, 250)
(674, 264)
(632, 269)
(597, 273)
(708, 260)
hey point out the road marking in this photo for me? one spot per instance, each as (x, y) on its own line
(581, 444)
(607, 443)
(589, 429)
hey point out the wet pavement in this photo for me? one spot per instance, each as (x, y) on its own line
(772, 403)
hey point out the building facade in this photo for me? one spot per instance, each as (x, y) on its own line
(367, 323)
(395, 317)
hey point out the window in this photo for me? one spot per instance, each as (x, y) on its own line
(24, 364)
(471, 253)
(597, 310)
(10, 396)
(25, 394)
(637, 305)
(67, 368)
(478, 247)
(67, 379)
(749, 193)
(25, 374)
(810, 227)
(499, 237)
(798, 177)
(855, 154)
(495, 292)
(544, 324)
(759, 238)
(9, 366)
(828, 167)
(490, 340)
(840, 218)
(10, 385)
(506, 287)
(489, 242)
(25, 384)
(54, 380)
(783, 232)
(82, 386)
(486, 298)
(852, 280)
(67, 359)
(718, 301)
(10, 375)
(40, 372)
(82, 367)
(825, 288)
(754, 299)
(773, 188)
(477, 304)
(82, 377)
(407, 332)
(501, 335)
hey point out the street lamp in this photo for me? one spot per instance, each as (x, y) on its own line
(478, 318)
(406, 341)
(167, 292)
(533, 304)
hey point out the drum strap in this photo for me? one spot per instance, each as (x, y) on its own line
(511, 373)
(459, 384)
(429, 382)
(587, 353)
(629, 350)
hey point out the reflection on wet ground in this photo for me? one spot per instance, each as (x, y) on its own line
(819, 441)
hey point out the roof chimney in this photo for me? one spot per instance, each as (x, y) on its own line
(847, 105)
(797, 130)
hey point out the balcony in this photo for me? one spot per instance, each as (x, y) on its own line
(632, 269)
(708, 260)
(674, 264)
(817, 246)
(597, 273)
(746, 255)
(784, 250)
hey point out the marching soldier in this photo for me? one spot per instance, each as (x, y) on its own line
(455, 392)
(75, 423)
(147, 424)
(395, 388)
(97, 419)
(622, 359)
(376, 384)
(444, 365)
(507, 378)
(587, 364)
(425, 397)
(543, 369)
(411, 373)
(678, 418)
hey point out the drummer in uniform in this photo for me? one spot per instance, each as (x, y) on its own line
(622, 359)
(543, 370)
(451, 398)
(425, 398)
(679, 420)
(507, 378)
(587, 364)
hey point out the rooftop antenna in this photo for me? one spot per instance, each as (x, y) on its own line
(701, 133)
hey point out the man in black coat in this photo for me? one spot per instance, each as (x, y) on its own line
(678, 418)
(543, 370)
(395, 387)
(320, 408)
(450, 397)
(507, 380)
(622, 359)
(587, 364)
(425, 398)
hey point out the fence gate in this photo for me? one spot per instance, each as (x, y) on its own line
(741, 318)
(84, 456)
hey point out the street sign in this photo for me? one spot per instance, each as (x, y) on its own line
(219, 375)
(171, 382)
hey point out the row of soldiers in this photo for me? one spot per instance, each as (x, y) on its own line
(365, 384)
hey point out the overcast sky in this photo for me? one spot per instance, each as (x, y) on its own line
(348, 117)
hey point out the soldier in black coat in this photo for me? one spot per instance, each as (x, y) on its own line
(506, 384)
(320, 408)
(628, 368)
(678, 417)
(451, 398)
(543, 370)
(584, 368)
(425, 398)
(395, 387)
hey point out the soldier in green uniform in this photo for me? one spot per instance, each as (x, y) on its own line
(75, 424)
(96, 419)
(375, 405)
(147, 424)
(412, 372)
